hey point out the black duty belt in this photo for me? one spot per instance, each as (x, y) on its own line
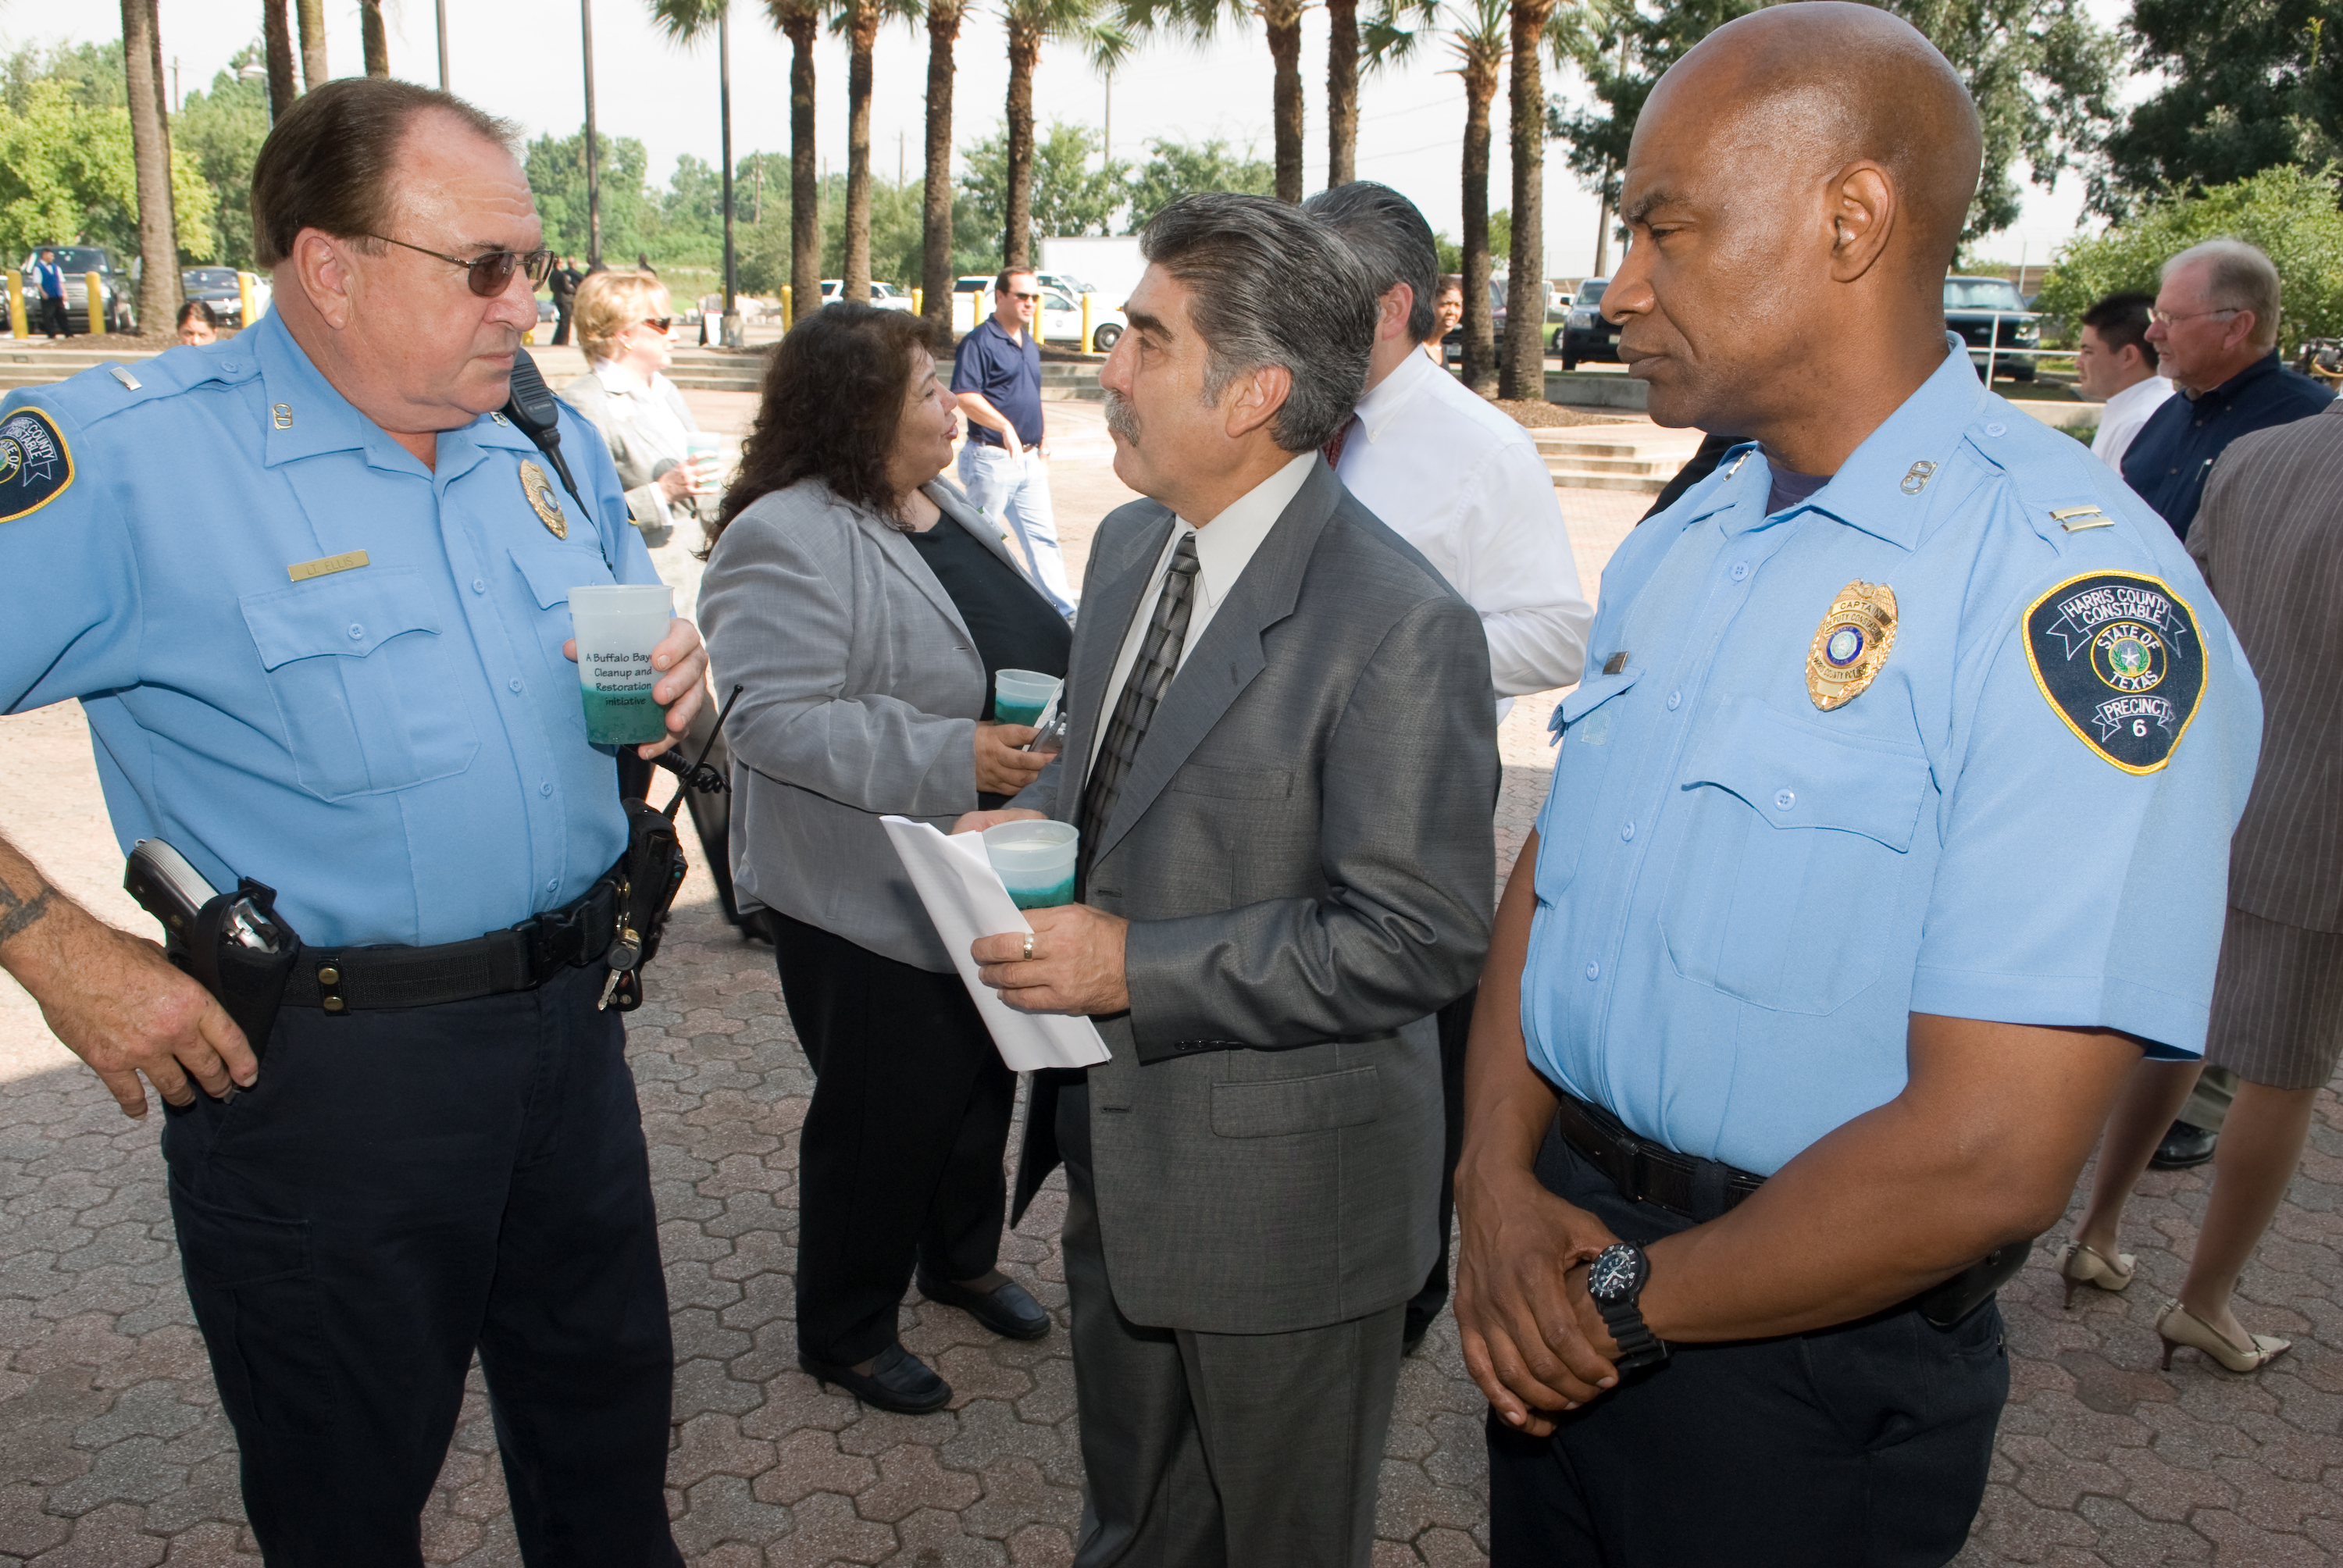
(1649, 1173)
(355, 980)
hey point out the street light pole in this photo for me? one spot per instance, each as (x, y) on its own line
(593, 174)
(441, 6)
(734, 335)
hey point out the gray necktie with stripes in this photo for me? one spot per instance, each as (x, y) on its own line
(1142, 690)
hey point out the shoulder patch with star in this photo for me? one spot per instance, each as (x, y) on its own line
(35, 468)
(2119, 658)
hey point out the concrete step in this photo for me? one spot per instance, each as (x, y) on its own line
(1641, 484)
(1639, 465)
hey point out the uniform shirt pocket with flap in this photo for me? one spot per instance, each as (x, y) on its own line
(1795, 845)
(363, 682)
(1584, 722)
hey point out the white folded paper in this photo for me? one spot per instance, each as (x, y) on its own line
(966, 901)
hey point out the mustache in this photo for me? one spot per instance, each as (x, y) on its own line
(1121, 418)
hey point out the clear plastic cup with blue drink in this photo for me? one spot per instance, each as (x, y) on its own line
(618, 627)
(1035, 861)
(1018, 696)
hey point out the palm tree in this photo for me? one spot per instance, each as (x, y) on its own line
(276, 48)
(858, 20)
(1031, 23)
(1480, 33)
(150, 153)
(799, 21)
(943, 17)
(1341, 92)
(1199, 20)
(311, 14)
(373, 43)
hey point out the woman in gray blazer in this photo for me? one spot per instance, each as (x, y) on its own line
(623, 322)
(863, 605)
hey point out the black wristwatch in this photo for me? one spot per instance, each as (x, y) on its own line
(1616, 1280)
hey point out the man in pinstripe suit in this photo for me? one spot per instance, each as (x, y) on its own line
(2269, 539)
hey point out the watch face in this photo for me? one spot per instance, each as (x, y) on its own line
(1616, 1274)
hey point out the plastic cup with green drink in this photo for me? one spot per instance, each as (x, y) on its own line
(1035, 861)
(1018, 696)
(618, 627)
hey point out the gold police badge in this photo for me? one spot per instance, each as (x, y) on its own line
(1851, 645)
(542, 500)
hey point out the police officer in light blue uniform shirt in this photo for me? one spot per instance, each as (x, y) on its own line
(1889, 826)
(311, 593)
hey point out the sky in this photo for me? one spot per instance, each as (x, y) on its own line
(523, 59)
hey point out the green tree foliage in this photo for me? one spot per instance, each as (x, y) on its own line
(222, 130)
(66, 175)
(896, 234)
(556, 166)
(1175, 169)
(90, 73)
(2041, 71)
(1501, 242)
(2287, 211)
(2246, 87)
(1069, 197)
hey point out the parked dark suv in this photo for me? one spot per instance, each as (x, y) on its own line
(118, 313)
(218, 287)
(1991, 316)
(1583, 334)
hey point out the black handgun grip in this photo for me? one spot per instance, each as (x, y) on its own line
(248, 982)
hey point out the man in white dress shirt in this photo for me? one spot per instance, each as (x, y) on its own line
(2117, 364)
(1464, 483)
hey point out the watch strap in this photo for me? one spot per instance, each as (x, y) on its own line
(1638, 1346)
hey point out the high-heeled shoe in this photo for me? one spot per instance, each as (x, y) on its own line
(2177, 1326)
(2082, 1266)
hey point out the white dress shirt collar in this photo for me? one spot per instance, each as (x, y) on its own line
(1387, 397)
(2136, 400)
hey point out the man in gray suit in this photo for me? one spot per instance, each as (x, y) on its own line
(1281, 759)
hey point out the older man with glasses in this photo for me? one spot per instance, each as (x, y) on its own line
(2215, 328)
(310, 586)
(997, 376)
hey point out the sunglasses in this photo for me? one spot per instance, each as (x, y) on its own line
(490, 275)
(1014, 294)
(659, 324)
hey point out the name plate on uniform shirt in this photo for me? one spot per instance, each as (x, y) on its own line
(326, 566)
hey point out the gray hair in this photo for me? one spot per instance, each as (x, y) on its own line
(2237, 276)
(1391, 241)
(1272, 286)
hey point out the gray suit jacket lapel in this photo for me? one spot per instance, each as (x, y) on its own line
(1224, 663)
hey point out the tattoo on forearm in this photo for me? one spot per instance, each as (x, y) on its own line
(17, 914)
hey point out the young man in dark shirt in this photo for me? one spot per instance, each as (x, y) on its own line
(1004, 467)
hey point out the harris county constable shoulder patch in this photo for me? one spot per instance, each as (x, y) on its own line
(35, 466)
(2119, 657)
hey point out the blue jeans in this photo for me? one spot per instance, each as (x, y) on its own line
(1016, 492)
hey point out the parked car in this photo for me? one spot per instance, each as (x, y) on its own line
(218, 287)
(887, 297)
(1992, 318)
(117, 312)
(1452, 347)
(1060, 316)
(1583, 334)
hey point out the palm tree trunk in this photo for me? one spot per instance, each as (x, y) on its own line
(1522, 375)
(277, 46)
(1341, 92)
(150, 151)
(936, 200)
(1284, 29)
(862, 32)
(805, 188)
(1024, 55)
(311, 14)
(372, 40)
(1480, 337)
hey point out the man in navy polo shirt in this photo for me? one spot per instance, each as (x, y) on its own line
(1004, 466)
(2216, 326)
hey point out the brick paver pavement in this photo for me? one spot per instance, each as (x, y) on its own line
(114, 1452)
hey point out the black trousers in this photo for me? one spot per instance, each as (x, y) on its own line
(52, 317)
(1455, 1023)
(561, 308)
(901, 1158)
(398, 1190)
(1860, 1446)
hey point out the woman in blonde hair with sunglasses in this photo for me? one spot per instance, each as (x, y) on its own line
(622, 320)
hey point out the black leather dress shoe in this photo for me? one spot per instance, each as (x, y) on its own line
(1006, 1310)
(2185, 1145)
(898, 1381)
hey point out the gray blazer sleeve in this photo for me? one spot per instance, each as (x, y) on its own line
(1408, 780)
(781, 607)
(644, 505)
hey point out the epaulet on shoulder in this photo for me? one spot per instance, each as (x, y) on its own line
(2066, 493)
(105, 390)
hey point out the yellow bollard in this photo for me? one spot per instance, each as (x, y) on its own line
(789, 309)
(1086, 344)
(919, 301)
(95, 284)
(1041, 320)
(17, 326)
(244, 282)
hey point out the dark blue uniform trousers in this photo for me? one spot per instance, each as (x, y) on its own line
(1860, 1446)
(398, 1190)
